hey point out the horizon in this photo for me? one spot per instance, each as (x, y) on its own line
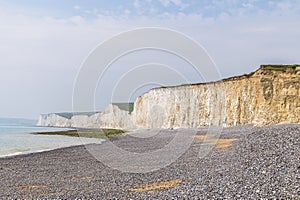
(44, 45)
(115, 103)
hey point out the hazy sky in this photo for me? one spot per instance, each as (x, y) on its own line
(43, 43)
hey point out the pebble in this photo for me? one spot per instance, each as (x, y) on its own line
(263, 163)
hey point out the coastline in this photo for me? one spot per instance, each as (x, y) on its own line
(23, 140)
(86, 136)
(85, 132)
(20, 154)
(256, 159)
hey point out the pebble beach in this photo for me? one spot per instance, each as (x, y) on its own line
(246, 162)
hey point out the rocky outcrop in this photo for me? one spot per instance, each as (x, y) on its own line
(271, 95)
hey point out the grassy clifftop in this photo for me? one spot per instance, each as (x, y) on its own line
(279, 67)
(69, 115)
(123, 106)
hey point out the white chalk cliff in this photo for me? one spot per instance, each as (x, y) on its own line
(271, 95)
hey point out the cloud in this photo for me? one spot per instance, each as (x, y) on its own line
(165, 3)
(136, 4)
(76, 7)
(127, 12)
(178, 3)
(41, 56)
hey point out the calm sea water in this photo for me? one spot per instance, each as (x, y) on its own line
(19, 140)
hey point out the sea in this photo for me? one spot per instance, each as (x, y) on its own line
(15, 140)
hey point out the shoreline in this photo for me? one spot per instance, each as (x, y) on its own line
(84, 135)
(85, 132)
(65, 133)
(42, 141)
(19, 154)
(249, 162)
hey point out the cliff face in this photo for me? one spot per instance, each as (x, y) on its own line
(268, 96)
(111, 117)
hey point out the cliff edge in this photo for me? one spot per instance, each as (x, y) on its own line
(270, 95)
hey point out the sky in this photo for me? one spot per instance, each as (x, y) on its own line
(44, 43)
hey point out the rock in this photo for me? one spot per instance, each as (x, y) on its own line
(266, 97)
(290, 70)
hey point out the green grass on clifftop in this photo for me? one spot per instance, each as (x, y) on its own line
(69, 115)
(125, 106)
(280, 67)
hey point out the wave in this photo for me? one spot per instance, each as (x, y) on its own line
(17, 152)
